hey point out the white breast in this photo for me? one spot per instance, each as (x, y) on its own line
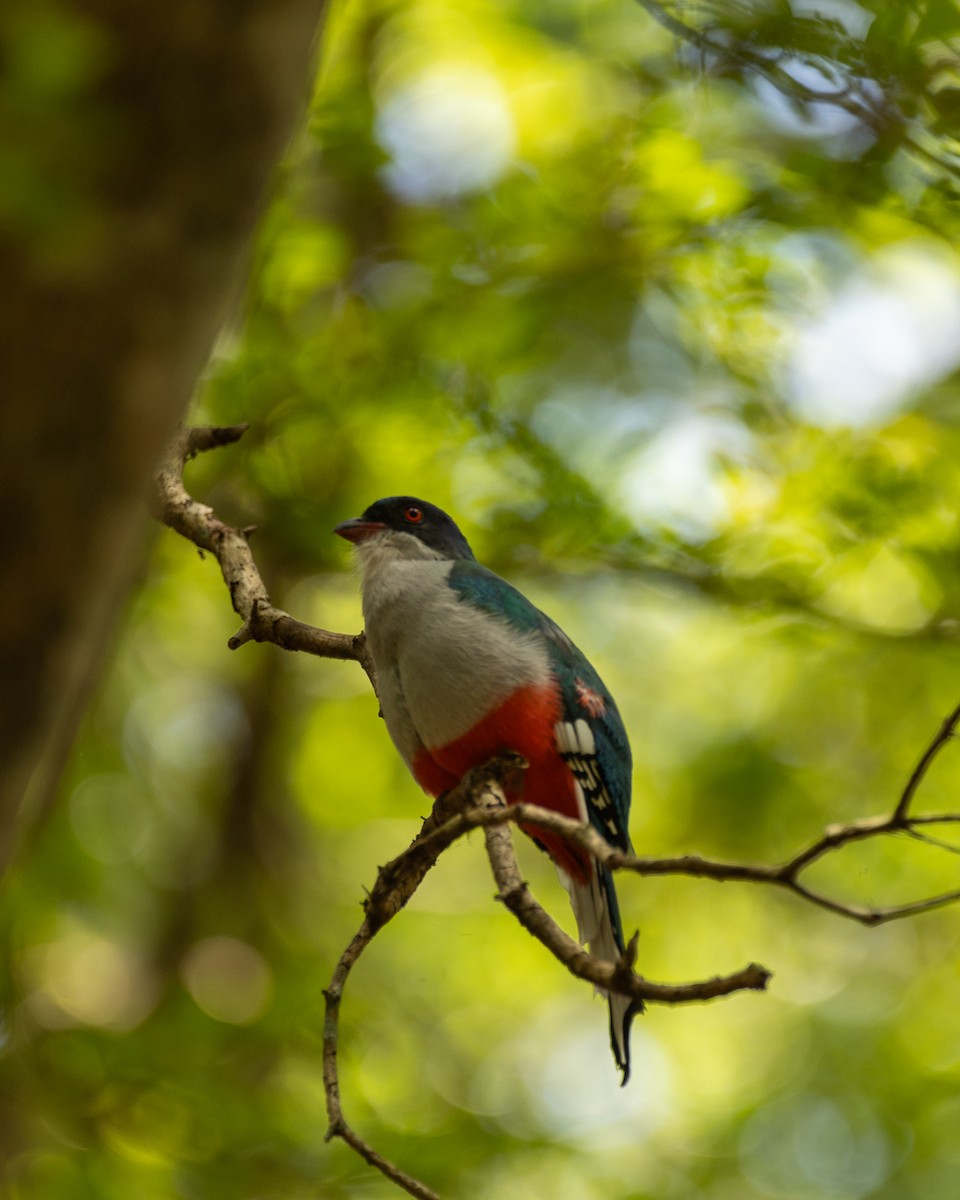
(443, 664)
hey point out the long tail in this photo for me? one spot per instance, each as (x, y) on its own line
(598, 926)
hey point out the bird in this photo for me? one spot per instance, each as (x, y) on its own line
(468, 668)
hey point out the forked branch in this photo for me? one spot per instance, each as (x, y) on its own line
(478, 801)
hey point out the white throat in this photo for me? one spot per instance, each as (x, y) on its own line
(389, 547)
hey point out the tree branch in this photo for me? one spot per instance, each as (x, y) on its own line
(262, 622)
(852, 97)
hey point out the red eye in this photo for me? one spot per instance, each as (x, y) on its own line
(413, 514)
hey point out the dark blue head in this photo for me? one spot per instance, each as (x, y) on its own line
(407, 514)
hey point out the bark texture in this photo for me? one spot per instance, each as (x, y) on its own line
(161, 159)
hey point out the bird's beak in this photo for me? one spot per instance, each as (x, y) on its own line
(358, 530)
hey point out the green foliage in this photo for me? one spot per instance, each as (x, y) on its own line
(676, 342)
(53, 137)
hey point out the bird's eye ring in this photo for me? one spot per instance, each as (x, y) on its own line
(413, 514)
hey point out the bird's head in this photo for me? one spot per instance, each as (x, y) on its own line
(410, 526)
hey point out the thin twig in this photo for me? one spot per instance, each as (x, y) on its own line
(338, 1126)
(944, 734)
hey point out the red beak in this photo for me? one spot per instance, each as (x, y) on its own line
(358, 530)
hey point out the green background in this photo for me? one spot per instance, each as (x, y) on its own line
(679, 353)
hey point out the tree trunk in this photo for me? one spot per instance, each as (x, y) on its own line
(148, 156)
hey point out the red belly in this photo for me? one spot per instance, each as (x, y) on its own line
(524, 725)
